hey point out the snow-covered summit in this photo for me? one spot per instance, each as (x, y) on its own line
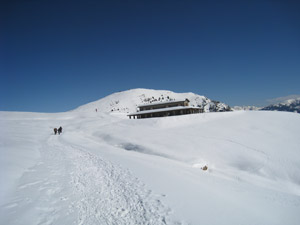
(291, 101)
(289, 105)
(127, 101)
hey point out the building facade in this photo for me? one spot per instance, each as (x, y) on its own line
(162, 109)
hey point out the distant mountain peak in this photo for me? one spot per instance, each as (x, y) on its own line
(288, 105)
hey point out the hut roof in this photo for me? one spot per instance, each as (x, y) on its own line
(162, 103)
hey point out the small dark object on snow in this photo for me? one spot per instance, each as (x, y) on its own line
(55, 131)
(204, 168)
(59, 130)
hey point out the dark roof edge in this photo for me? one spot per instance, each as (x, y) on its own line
(163, 110)
(161, 103)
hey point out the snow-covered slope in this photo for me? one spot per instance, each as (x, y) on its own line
(127, 101)
(289, 105)
(107, 169)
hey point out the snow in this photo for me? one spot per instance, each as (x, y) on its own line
(292, 100)
(107, 169)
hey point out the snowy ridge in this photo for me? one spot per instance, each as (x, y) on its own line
(127, 101)
(289, 105)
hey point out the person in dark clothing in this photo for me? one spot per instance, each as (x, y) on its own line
(55, 131)
(59, 130)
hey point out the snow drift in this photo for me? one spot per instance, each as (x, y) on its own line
(127, 101)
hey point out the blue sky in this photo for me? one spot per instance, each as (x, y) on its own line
(58, 55)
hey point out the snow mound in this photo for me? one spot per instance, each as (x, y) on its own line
(127, 101)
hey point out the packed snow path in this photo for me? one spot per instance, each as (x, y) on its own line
(73, 186)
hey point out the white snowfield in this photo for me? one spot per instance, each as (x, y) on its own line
(107, 169)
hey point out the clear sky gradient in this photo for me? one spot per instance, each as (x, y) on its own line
(58, 55)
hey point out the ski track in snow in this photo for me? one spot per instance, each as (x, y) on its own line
(73, 186)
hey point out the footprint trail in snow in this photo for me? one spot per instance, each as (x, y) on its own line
(73, 186)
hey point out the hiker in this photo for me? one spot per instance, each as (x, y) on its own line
(55, 131)
(59, 130)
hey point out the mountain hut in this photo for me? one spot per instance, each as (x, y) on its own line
(162, 109)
